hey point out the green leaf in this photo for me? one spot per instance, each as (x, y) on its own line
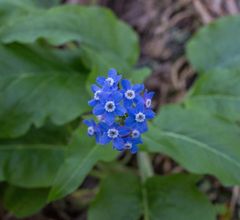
(24, 202)
(32, 161)
(216, 45)
(139, 75)
(119, 198)
(54, 164)
(176, 197)
(28, 99)
(172, 197)
(198, 141)
(16, 59)
(83, 153)
(105, 41)
(218, 93)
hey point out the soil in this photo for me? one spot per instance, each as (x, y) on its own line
(164, 28)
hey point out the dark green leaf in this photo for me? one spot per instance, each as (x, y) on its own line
(119, 198)
(176, 197)
(24, 202)
(173, 197)
(216, 45)
(33, 160)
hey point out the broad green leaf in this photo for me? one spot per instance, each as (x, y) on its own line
(122, 196)
(33, 160)
(176, 197)
(24, 202)
(216, 45)
(119, 198)
(28, 99)
(17, 59)
(82, 154)
(46, 160)
(218, 93)
(198, 141)
(105, 41)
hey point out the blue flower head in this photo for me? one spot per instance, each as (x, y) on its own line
(122, 110)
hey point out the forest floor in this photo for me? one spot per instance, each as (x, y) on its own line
(164, 28)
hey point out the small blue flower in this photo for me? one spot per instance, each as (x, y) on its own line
(96, 99)
(110, 81)
(110, 106)
(122, 113)
(131, 93)
(93, 129)
(147, 97)
(137, 117)
(114, 133)
(131, 144)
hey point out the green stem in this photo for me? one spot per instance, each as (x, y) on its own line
(146, 171)
(145, 166)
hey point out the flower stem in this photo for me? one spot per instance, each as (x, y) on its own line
(146, 171)
(145, 166)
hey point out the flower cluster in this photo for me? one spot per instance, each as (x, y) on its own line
(122, 110)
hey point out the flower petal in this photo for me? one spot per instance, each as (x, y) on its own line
(101, 80)
(138, 88)
(150, 114)
(126, 84)
(104, 139)
(92, 102)
(120, 111)
(98, 110)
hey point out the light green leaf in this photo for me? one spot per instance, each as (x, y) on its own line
(198, 141)
(24, 202)
(28, 99)
(216, 45)
(83, 153)
(218, 93)
(105, 41)
(172, 197)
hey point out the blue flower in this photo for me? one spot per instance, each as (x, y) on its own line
(122, 112)
(131, 144)
(147, 97)
(110, 106)
(114, 133)
(93, 129)
(110, 81)
(137, 117)
(131, 93)
(96, 99)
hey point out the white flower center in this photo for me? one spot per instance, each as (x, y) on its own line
(129, 94)
(112, 133)
(110, 106)
(148, 103)
(128, 145)
(96, 95)
(140, 117)
(110, 81)
(135, 133)
(91, 130)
